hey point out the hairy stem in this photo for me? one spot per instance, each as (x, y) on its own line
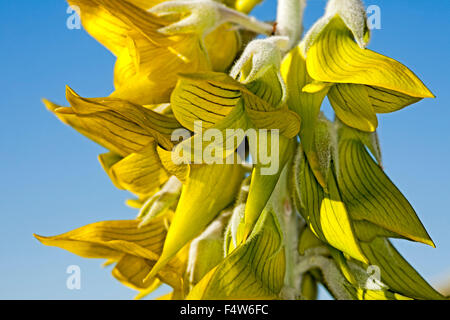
(248, 22)
(290, 20)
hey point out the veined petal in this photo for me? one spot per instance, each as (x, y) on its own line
(217, 183)
(353, 107)
(306, 105)
(112, 239)
(358, 279)
(131, 271)
(254, 270)
(367, 231)
(181, 171)
(87, 128)
(262, 184)
(158, 66)
(206, 97)
(210, 97)
(136, 18)
(385, 101)
(141, 172)
(107, 160)
(148, 61)
(218, 102)
(396, 272)
(282, 119)
(126, 65)
(370, 195)
(121, 126)
(102, 20)
(270, 87)
(308, 240)
(335, 57)
(325, 213)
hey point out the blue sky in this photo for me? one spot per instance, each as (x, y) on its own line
(51, 181)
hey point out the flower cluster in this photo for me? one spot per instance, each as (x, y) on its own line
(229, 230)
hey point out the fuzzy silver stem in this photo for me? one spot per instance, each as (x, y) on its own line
(248, 22)
(290, 20)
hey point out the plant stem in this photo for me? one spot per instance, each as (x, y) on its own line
(290, 20)
(248, 22)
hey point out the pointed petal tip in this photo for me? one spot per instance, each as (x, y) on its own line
(429, 242)
(425, 240)
(49, 105)
(39, 238)
(70, 92)
(426, 93)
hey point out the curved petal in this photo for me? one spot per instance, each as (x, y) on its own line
(306, 105)
(325, 213)
(386, 101)
(352, 106)
(141, 172)
(335, 57)
(119, 125)
(111, 239)
(396, 272)
(193, 213)
(254, 270)
(370, 195)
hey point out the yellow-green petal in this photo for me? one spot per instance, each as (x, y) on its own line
(325, 213)
(254, 270)
(370, 195)
(336, 57)
(396, 272)
(141, 172)
(306, 105)
(352, 106)
(217, 183)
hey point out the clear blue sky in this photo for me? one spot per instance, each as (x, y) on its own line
(51, 181)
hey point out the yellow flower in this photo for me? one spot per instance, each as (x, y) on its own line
(360, 82)
(147, 60)
(354, 217)
(134, 250)
(131, 133)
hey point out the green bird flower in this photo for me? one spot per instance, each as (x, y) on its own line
(244, 189)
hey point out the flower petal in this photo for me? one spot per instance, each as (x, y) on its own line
(335, 57)
(396, 272)
(111, 239)
(119, 125)
(325, 213)
(206, 97)
(282, 119)
(370, 195)
(353, 107)
(193, 213)
(385, 101)
(262, 185)
(306, 105)
(141, 172)
(254, 270)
